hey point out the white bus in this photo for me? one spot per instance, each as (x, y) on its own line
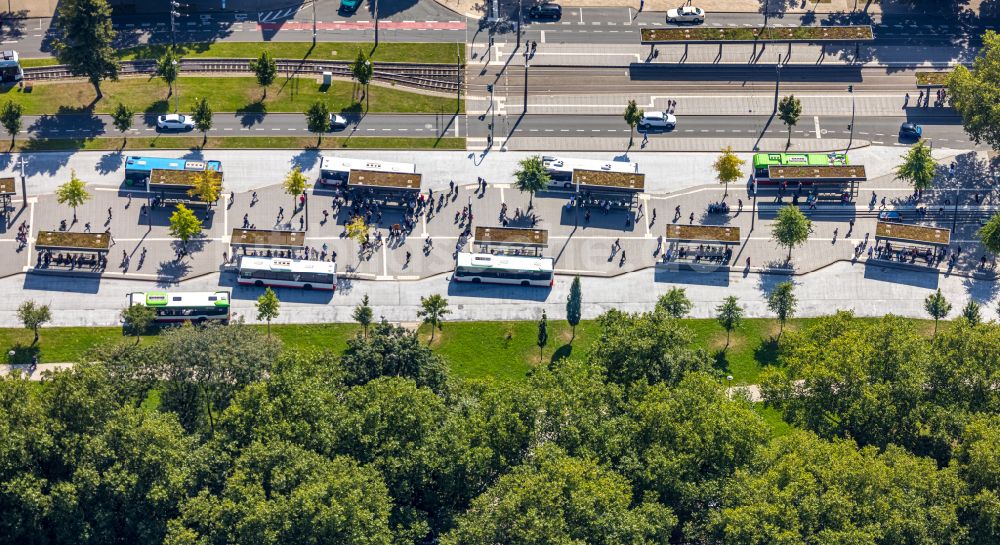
(504, 269)
(289, 273)
(194, 306)
(560, 169)
(335, 170)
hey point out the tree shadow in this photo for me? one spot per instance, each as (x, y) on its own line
(252, 114)
(562, 353)
(110, 162)
(720, 361)
(23, 354)
(768, 351)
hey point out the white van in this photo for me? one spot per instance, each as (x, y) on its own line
(657, 120)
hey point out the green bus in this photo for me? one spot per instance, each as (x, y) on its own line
(763, 160)
(185, 306)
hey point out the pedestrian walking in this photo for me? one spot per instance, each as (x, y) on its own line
(906, 100)
(86, 227)
(109, 213)
(739, 205)
(850, 227)
(691, 218)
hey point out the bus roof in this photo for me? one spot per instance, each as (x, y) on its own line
(147, 164)
(285, 264)
(343, 164)
(568, 164)
(762, 160)
(165, 299)
(509, 262)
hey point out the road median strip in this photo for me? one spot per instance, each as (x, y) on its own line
(749, 34)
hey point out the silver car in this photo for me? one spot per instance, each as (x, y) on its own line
(686, 14)
(174, 122)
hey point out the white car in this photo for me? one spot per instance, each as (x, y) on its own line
(686, 14)
(337, 122)
(657, 120)
(174, 122)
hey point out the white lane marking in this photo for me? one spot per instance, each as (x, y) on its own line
(816, 123)
(543, 36)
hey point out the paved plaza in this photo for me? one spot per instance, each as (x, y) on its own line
(619, 251)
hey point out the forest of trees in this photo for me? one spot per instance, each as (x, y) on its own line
(218, 435)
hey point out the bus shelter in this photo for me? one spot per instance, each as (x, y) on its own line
(398, 189)
(700, 243)
(511, 240)
(70, 250)
(604, 189)
(903, 243)
(172, 187)
(7, 191)
(818, 182)
(268, 243)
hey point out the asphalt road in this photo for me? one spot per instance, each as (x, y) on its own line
(578, 25)
(881, 130)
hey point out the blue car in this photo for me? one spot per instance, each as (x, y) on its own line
(889, 215)
(349, 6)
(911, 130)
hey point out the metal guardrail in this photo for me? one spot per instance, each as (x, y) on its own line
(434, 77)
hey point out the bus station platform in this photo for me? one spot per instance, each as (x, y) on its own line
(398, 189)
(714, 244)
(910, 246)
(268, 242)
(72, 251)
(511, 240)
(603, 189)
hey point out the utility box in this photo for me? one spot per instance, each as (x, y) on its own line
(327, 78)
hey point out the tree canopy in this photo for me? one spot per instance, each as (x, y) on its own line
(975, 92)
(216, 434)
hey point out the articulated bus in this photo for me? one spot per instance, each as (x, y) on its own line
(289, 273)
(335, 170)
(763, 160)
(561, 169)
(195, 306)
(138, 169)
(504, 269)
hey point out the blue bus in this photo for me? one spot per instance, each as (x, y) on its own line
(138, 169)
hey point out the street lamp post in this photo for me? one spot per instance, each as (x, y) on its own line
(177, 95)
(777, 82)
(314, 21)
(850, 89)
(376, 25)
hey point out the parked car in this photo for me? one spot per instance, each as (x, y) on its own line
(174, 122)
(546, 11)
(890, 215)
(911, 130)
(337, 122)
(686, 14)
(657, 120)
(348, 7)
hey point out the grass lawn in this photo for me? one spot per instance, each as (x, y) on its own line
(434, 53)
(501, 350)
(225, 94)
(239, 142)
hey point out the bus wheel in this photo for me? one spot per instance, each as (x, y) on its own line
(307, 287)
(476, 281)
(568, 185)
(259, 284)
(525, 283)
